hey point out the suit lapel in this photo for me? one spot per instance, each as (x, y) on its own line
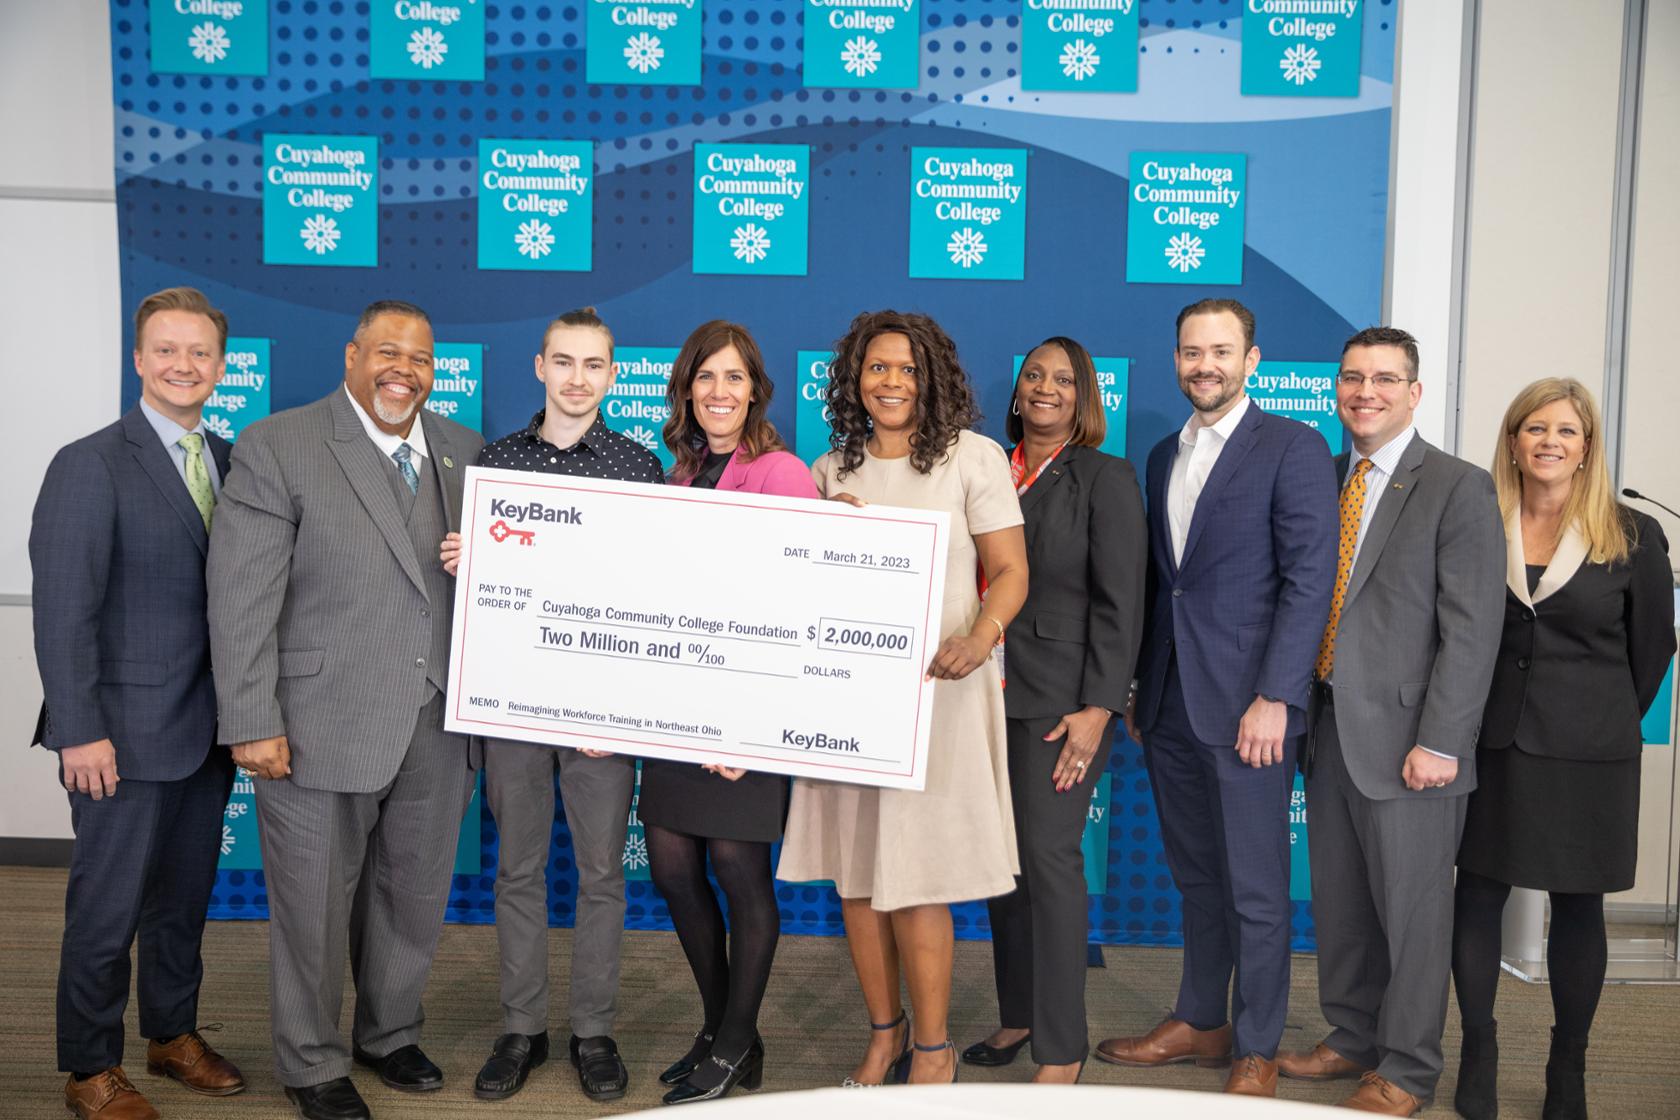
(222, 451)
(149, 452)
(1565, 562)
(1396, 492)
(446, 460)
(1048, 481)
(1236, 449)
(1160, 530)
(360, 461)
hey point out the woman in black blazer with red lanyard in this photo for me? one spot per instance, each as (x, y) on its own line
(1068, 663)
(1589, 630)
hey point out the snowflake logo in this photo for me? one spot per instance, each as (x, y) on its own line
(218, 425)
(967, 247)
(1079, 60)
(1300, 64)
(643, 52)
(645, 436)
(861, 56)
(209, 42)
(635, 853)
(535, 238)
(751, 243)
(227, 840)
(1185, 252)
(426, 48)
(320, 234)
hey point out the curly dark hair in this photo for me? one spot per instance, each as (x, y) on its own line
(945, 403)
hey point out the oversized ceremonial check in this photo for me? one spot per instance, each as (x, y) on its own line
(755, 631)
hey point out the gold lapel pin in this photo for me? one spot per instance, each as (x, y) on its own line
(448, 462)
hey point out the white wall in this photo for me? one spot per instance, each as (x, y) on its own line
(62, 341)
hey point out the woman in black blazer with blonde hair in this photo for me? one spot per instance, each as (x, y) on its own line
(1589, 630)
(1068, 663)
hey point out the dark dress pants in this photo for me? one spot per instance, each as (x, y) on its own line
(144, 861)
(1225, 826)
(1039, 931)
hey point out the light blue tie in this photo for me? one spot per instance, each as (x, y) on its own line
(404, 456)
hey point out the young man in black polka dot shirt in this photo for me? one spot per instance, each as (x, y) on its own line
(567, 437)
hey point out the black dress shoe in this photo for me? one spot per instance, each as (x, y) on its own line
(511, 1061)
(331, 1100)
(601, 1071)
(406, 1068)
(984, 1054)
(684, 1065)
(714, 1077)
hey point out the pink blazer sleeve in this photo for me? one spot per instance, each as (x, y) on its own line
(778, 472)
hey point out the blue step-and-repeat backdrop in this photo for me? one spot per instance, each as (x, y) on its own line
(1016, 168)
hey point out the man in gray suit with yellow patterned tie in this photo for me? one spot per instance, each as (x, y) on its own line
(329, 624)
(1402, 674)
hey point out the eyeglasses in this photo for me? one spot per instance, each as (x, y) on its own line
(1383, 381)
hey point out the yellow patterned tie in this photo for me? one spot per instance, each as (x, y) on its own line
(1353, 508)
(198, 476)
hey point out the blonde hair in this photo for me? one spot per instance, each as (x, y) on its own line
(179, 299)
(1591, 505)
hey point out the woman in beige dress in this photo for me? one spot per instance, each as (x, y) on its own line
(902, 408)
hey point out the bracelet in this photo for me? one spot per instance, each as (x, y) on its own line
(996, 623)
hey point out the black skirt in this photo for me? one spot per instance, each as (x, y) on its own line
(684, 798)
(1553, 824)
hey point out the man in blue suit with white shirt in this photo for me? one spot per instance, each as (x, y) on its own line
(1242, 563)
(117, 545)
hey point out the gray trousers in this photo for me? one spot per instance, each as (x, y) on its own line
(519, 787)
(1382, 877)
(372, 869)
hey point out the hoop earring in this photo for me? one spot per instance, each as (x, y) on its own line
(1014, 407)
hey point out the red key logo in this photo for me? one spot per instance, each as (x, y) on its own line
(501, 531)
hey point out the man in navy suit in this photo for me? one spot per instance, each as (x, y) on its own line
(117, 545)
(1242, 563)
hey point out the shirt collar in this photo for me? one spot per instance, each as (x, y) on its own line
(167, 430)
(1387, 457)
(1222, 428)
(385, 441)
(590, 440)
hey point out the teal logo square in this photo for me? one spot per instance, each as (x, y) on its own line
(469, 841)
(1093, 843)
(637, 868)
(458, 383)
(1114, 384)
(1654, 728)
(863, 44)
(1300, 863)
(1286, 54)
(635, 405)
(643, 42)
(811, 416)
(1184, 218)
(241, 848)
(209, 36)
(1304, 391)
(418, 39)
(968, 213)
(536, 205)
(1080, 47)
(241, 397)
(751, 208)
(320, 200)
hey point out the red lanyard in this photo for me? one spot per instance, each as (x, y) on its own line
(1018, 466)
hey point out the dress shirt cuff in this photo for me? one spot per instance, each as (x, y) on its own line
(1437, 754)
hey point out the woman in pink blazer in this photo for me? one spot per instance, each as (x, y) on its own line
(718, 431)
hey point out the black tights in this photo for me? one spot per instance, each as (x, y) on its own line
(731, 977)
(1575, 952)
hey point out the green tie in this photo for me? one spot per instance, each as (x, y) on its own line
(198, 476)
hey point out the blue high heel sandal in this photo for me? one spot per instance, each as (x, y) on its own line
(946, 1045)
(899, 1071)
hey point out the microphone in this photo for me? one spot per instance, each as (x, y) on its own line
(1630, 492)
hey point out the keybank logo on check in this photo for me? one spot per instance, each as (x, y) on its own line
(819, 741)
(536, 512)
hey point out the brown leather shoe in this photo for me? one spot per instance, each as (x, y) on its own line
(1318, 1064)
(189, 1060)
(107, 1096)
(1253, 1076)
(1171, 1041)
(1378, 1094)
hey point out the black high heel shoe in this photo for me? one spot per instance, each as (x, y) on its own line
(983, 1053)
(956, 1066)
(714, 1077)
(899, 1070)
(684, 1065)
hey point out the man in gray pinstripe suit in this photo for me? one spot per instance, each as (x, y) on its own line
(329, 626)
